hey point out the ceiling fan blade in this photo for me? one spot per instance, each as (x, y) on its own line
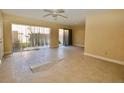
(46, 15)
(62, 16)
(48, 10)
(60, 11)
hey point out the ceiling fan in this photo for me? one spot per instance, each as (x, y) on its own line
(54, 13)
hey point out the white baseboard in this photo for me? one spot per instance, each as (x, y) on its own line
(104, 58)
(8, 52)
(79, 45)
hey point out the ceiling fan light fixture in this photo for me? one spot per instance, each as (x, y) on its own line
(54, 13)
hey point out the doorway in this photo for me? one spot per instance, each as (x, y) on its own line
(26, 37)
(65, 37)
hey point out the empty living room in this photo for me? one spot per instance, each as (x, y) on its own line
(61, 46)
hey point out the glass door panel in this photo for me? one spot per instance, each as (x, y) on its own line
(25, 37)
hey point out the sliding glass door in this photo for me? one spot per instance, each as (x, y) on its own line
(61, 37)
(25, 37)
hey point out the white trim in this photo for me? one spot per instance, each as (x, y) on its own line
(79, 45)
(8, 52)
(104, 58)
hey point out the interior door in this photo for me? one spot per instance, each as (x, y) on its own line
(1, 38)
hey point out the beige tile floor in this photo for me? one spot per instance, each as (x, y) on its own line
(73, 67)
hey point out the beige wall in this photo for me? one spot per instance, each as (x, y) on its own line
(104, 35)
(78, 35)
(1, 36)
(9, 19)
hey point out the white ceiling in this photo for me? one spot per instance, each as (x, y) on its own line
(75, 16)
